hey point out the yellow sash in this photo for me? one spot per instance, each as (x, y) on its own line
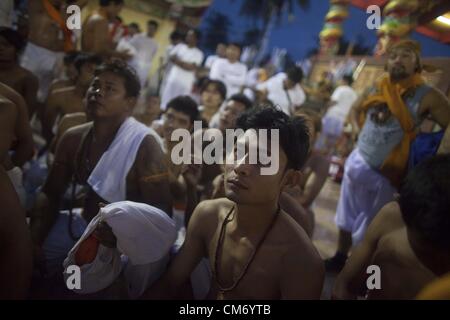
(390, 93)
(56, 16)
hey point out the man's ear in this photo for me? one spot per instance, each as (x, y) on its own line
(292, 178)
(131, 103)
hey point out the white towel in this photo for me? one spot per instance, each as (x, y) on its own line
(108, 179)
(144, 234)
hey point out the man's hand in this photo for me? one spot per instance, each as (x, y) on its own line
(105, 235)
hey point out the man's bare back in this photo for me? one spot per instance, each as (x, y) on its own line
(61, 102)
(22, 139)
(386, 245)
(24, 82)
(399, 265)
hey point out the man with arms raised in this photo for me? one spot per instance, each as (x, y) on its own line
(256, 250)
(386, 120)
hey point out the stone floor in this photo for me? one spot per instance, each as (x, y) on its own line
(325, 233)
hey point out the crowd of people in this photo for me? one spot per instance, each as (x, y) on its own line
(87, 176)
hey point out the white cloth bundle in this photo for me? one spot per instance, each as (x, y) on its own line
(144, 235)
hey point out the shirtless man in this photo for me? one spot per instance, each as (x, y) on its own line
(22, 143)
(256, 250)
(110, 101)
(70, 100)
(15, 240)
(315, 172)
(47, 40)
(70, 73)
(11, 73)
(408, 239)
(180, 114)
(96, 37)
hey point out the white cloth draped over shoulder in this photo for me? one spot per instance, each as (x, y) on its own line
(108, 179)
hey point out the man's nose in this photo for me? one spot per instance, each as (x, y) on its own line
(242, 166)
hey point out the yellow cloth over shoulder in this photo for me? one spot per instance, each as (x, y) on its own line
(390, 93)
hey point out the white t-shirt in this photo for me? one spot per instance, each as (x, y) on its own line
(233, 75)
(187, 55)
(145, 49)
(344, 96)
(279, 96)
(210, 60)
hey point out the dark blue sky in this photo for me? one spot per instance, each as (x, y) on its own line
(300, 36)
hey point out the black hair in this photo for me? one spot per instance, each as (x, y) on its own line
(348, 78)
(242, 98)
(153, 23)
(83, 58)
(134, 25)
(105, 3)
(293, 132)
(313, 116)
(235, 44)
(14, 38)
(220, 86)
(120, 68)
(295, 74)
(197, 33)
(425, 200)
(186, 105)
(176, 35)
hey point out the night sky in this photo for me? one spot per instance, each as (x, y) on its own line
(301, 35)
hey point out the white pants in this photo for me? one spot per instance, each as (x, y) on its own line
(44, 64)
(364, 192)
(173, 89)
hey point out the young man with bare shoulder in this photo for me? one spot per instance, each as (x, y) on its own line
(134, 168)
(408, 240)
(256, 250)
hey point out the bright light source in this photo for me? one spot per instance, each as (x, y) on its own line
(443, 20)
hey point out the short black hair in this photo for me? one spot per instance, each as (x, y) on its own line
(348, 78)
(14, 38)
(176, 35)
(425, 200)
(128, 74)
(293, 132)
(186, 105)
(134, 25)
(242, 98)
(295, 74)
(197, 33)
(220, 86)
(235, 44)
(83, 58)
(153, 23)
(105, 3)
